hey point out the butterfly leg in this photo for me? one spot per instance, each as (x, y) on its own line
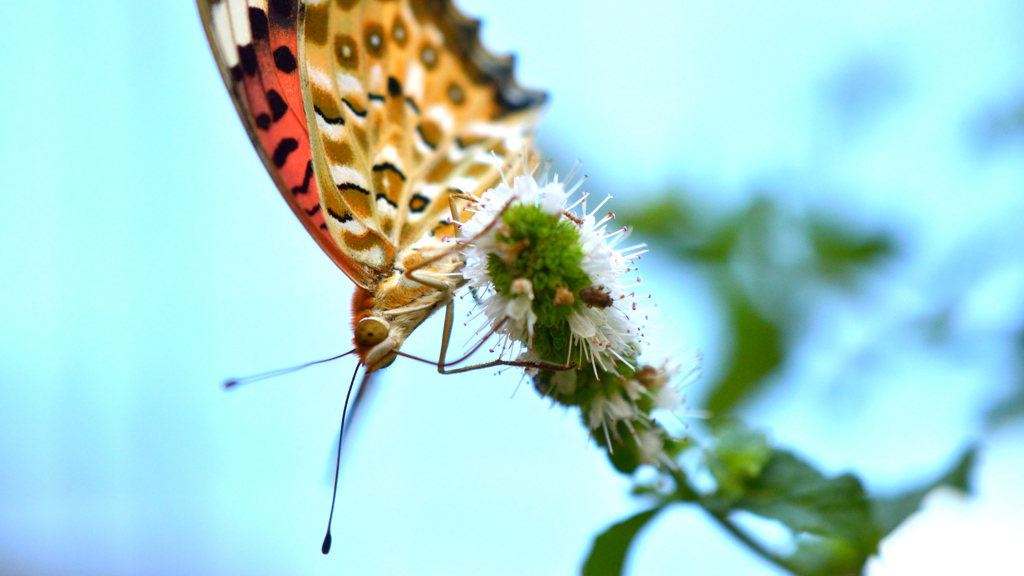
(456, 217)
(442, 365)
(449, 317)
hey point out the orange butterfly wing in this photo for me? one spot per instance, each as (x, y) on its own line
(368, 114)
(421, 110)
(255, 47)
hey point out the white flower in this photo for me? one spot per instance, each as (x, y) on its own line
(563, 382)
(667, 398)
(519, 308)
(604, 410)
(605, 413)
(609, 329)
(651, 445)
(606, 326)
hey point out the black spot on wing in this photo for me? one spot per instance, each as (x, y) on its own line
(353, 108)
(351, 186)
(418, 203)
(341, 218)
(312, 211)
(394, 86)
(377, 97)
(278, 107)
(441, 223)
(236, 73)
(383, 196)
(284, 60)
(247, 54)
(419, 129)
(282, 8)
(412, 104)
(263, 121)
(339, 121)
(306, 180)
(258, 24)
(284, 149)
(384, 166)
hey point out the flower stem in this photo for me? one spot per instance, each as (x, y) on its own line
(749, 541)
(687, 493)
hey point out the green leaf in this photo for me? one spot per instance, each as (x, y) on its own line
(667, 218)
(757, 351)
(624, 453)
(826, 557)
(738, 456)
(607, 556)
(890, 512)
(791, 491)
(685, 229)
(841, 252)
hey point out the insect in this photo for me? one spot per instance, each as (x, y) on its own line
(378, 120)
(596, 296)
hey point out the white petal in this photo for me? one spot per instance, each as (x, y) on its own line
(581, 325)
(519, 307)
(667, 398)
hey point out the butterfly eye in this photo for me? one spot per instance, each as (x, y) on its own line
(370, 332)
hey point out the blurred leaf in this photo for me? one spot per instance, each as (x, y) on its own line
(1011, 407)
(826, 557)
(841, 252)
(672, 221)
(608, 554)
(665, 218)
(624, 453)
(785, 254)
(1008, 409)
(716, 248)
(829, 517)
(738, 455)
(890, 512)
(835, 526)
(758, 349)
(791, 491)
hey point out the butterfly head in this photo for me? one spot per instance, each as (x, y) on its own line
(376, 342)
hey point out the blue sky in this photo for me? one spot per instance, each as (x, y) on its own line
(146, 256)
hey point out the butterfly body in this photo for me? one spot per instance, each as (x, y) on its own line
(377, 120)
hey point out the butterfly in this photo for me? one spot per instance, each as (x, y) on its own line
(379, 121)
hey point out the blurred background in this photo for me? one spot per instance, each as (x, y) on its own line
(832, 194)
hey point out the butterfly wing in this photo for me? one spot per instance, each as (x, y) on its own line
(255, 45)
(405, 105)
(407, 108)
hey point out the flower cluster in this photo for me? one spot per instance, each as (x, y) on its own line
(617, 406)
(555, 286)
(553, 279)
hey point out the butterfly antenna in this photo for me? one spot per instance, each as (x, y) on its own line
(326, 547)
(280, 371)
